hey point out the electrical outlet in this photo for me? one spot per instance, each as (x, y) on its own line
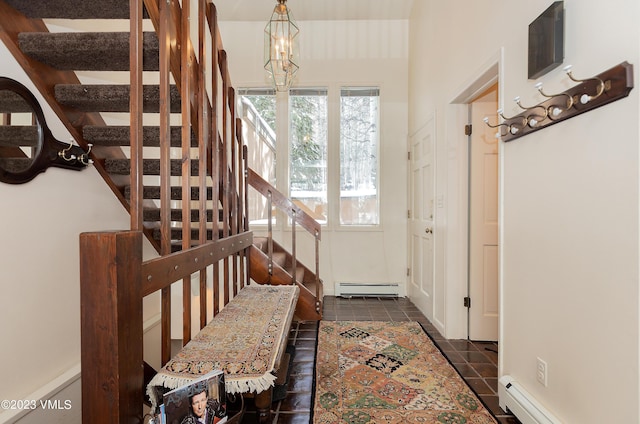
(541, 372)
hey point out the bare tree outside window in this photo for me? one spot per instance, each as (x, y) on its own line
(359, 141)
(308, 114)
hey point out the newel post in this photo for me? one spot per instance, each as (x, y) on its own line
(111, 326)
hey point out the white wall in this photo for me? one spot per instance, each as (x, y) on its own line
(569, 264)
(40, 224)
(335, 54)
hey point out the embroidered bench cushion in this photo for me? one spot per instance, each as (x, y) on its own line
(243, 340)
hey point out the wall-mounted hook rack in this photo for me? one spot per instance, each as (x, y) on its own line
(22, 158)
(609, 86)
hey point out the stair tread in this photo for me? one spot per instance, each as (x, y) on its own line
(19, 135)
(15, 165)
(153, 192)
(111, 97)
(151, 215)
(149, 166)
(73, 9)
(112, 135)
(12, 102)
(93, 51)
(176, 234)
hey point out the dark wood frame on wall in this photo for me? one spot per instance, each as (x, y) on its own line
(546, 41)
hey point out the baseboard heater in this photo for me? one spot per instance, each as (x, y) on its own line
(349, 289)
(520, 403)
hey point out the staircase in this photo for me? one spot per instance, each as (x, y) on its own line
(57, 63)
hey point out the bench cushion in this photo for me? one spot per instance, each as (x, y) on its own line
(244, 340)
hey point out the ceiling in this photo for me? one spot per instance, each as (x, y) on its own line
(315, 10)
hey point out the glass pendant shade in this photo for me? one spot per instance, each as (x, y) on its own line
(281, 47)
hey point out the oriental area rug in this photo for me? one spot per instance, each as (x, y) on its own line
(388, 372)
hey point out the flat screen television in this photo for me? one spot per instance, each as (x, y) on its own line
(546, 40)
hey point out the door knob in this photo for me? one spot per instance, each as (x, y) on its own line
(428, 230)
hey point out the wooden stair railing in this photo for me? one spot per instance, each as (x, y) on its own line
(299, 217)
(204, 120)
(211, 171)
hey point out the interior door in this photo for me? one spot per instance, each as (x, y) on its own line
(422, 187)
(483, 219)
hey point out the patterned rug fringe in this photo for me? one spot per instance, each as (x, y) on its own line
(170, 382)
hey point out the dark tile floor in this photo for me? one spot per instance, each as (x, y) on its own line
(475, 361)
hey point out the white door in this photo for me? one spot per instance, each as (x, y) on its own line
(483, 219)
(421, 221)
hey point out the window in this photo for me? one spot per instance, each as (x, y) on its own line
(351, 177)
(308, 149)
(359, 139)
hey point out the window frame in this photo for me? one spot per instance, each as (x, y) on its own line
(282, 130)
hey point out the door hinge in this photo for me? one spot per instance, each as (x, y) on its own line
(467, 129)
(408, 155)
(409, 213)
(467, 302)
(408, 272)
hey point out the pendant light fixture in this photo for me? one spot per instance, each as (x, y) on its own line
(281, 47)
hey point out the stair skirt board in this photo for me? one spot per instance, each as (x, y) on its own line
(519, 402)
(349, 289)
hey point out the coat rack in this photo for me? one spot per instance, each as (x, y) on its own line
(23, 157)
(609, 86)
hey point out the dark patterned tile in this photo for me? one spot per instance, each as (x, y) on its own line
(493, 383)
(294, 418)
(491, 402)
(445, 346)
(475, 357)
(307, 334)
(508, 420)
(305, 344)
(304, 368)
(463, 345)
(479, 386)
(455, 358)
(300, 383)
(466, 371)
(296, 402)
(304, 355)
(486, 370)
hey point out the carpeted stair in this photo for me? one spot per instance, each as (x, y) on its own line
(53, 58)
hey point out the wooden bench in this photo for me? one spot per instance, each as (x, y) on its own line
(247, 340)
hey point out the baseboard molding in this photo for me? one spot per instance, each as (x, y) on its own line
(45, 393)
(52, 391)
(514, 398)
(350, 289)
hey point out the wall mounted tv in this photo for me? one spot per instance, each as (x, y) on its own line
(546, 40)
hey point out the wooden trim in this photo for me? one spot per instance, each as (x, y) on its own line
(161, 272)
(111, 326)
(135, 114)
(164, 39)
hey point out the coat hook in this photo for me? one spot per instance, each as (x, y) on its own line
(84, 158)
(554, 110)
(533, 119)
(513, 129)
(499, 133)
(63, 153)
(585, 98)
